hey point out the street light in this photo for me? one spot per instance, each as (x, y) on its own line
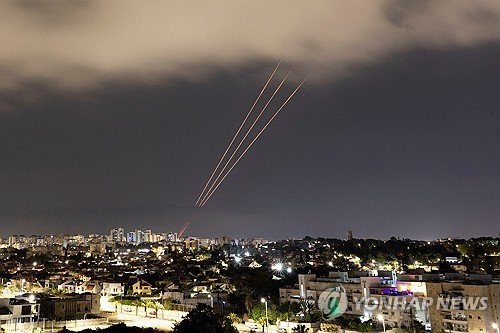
(211, 300)
(263, 300)
(495, 326)
(277, 267)
(381, 318)
(84, 319)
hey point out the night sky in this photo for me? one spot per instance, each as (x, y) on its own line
(115, 114)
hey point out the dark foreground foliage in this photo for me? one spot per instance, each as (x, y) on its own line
(204, 320)
(118, 328)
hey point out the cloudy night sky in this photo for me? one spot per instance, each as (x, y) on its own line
(114, 113)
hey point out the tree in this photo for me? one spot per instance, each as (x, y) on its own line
(204, 320)
(258, 313)
(287, 311)
(299, 328)
(249, 295)
(156, 306)
(56, 291)
(117, 328)
(233, 317)
(354, 324)
(137, 303)
(168, 304)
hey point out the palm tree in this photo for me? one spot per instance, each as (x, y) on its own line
(146, 304)
(156, 306)
(249, 295)
(137, 303)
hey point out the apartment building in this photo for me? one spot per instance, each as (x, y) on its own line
(369, 294)
(453, 302)
(470, 305)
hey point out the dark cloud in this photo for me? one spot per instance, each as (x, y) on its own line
(400, 12)
(82, 44)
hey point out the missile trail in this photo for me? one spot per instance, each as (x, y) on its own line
(184, 227)
(253, 141)
(246, 134)
(237, 132)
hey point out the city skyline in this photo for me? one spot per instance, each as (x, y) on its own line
(118, 118)
(136, 235)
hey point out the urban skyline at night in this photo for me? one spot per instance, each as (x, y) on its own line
(118, 117)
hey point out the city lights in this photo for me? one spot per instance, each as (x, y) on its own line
(277, 267)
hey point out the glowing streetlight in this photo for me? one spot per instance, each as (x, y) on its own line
(277, 267)
(263, 300)
(381, 318)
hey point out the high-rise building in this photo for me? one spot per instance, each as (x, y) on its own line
(133, 236)
(146, 237)
(171, 237)
(117, 234)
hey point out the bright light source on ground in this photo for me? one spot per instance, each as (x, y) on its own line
(277, 266)
(237, 259)
(289, 270)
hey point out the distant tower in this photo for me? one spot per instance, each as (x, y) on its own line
(117, 234)
(349, 235)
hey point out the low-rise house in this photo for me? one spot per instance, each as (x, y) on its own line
(88, 287)
(14, 310)
(112, 289)
(68, 286)
(69, 307)
(141, 287)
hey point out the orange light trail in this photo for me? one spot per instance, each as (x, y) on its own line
(246, 135)
(210, 193)
(237, 132)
